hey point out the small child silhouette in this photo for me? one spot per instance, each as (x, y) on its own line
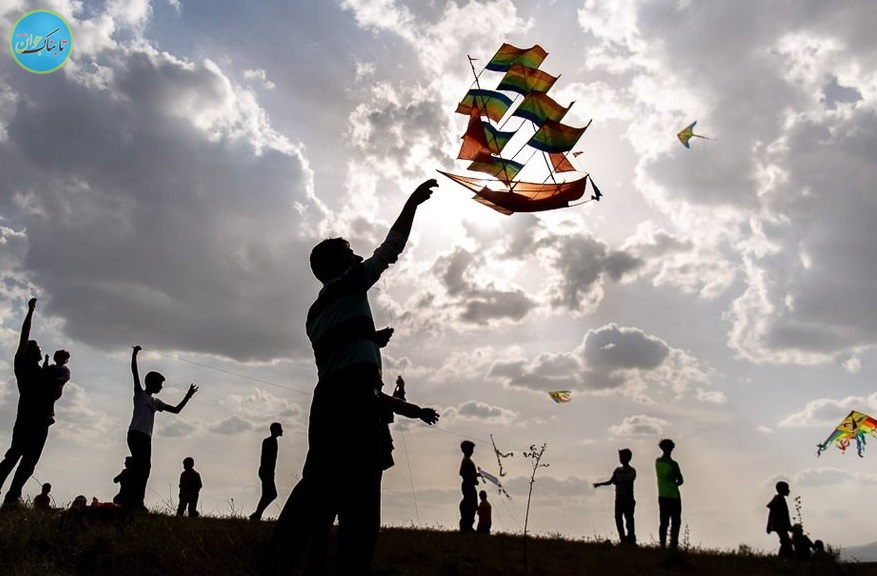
(484, 514)
(190, 487)
(43, 501)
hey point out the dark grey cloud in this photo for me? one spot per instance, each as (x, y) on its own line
(611, 358)
(618, 348)
(583, 264)
(160, 209)
(478, 303)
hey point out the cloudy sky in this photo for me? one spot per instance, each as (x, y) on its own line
(165, 187)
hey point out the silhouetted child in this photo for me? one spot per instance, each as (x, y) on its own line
(190, 487)
(801, 543)
(142, 422)
(267, 463)
(125, 481)
(469, 474)
(484, 514)
(778, 519)
(623, 477)
(669, 499)
(55, 376)
(43, 501)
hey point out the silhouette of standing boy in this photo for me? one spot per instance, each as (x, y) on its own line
(623, 477)
(34, 416)
(267, 463)
(469, 474)
(669, 499)
(342, 470)
(778, 519)
(190, 488)
(142, 422)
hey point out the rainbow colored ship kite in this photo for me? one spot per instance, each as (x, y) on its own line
(519, 141)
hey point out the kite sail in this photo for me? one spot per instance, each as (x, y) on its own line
(687, 134)
(856, 427)
(560, 396)
(518, 141)
(495, 481)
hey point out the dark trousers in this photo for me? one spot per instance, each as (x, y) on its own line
(624, 514)
(786, 549)
(189, 501)
(468, 508)
(670, 512)
(27, 445)
(269, 493)
(341, 477)
(140, 446)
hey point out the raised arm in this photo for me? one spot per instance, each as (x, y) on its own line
(406, 218)
(25, 326)
(179, 407)
(138, 388)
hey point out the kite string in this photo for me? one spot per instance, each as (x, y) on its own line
(401, 428)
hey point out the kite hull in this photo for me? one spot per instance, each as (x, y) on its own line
(512, 197)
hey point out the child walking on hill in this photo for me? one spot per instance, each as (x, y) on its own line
(778, 519)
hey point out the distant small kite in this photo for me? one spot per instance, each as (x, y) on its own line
(560, 396)
(687, 134)
(856, 427)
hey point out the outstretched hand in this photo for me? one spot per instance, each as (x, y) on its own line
(429, 416)
(382, 336)
(31, 304)
(422, 193)
(136, 349)
(192, 390)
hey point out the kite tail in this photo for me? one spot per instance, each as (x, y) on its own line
(860, 445)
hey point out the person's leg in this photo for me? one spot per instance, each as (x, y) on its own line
(619, 520)
(181, 507)
(468, 509)
(359, 501)
(786, 549)
(628, 515)
(663, 520)
(675, 522)
(193, 506)
(140, 446)
(13, 455)
(34, 441)
(269, 493)
(359, 522)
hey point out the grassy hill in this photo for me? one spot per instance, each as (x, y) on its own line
(43, 544)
